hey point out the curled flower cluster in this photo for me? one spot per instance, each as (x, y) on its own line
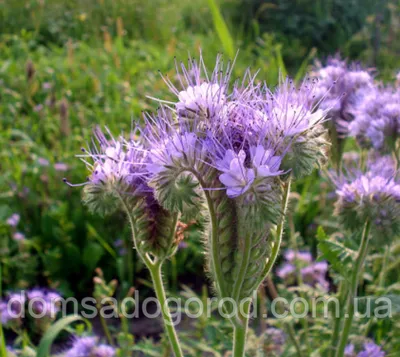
(89, 347)
(372, 196)
(312, 273)
(116, 168)
(377, 119)
(340, 87)
(370, 349)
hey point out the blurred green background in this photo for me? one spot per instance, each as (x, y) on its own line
(66, 66)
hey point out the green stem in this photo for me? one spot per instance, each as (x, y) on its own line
(154, 267)
(214, 256)
(304, 320)
(155, 271)
(381, 284)
(338, 320)
(237, 287)
(279, 233)
(106, 329)
(362, 252)
(292, 336)
(240, 333)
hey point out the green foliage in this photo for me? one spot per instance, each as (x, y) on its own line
(52, 333)
(336, 253)
(221, 29)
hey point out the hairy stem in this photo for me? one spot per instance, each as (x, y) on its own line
(279, 232)
(214, 253)
(155, 267)
(243, 268)
(155, 271)
(362, 252)
(240, 332)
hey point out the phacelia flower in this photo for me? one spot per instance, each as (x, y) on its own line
(339, 88)
(18, 236)
(43, 162)
(246, 135)
(377, 119)
(369, 349)
(295, 125)
(89, 347)
(236, 177)
(118, 170)
(312, 273)
(13, 220)
(349, 351)
(372, 196)
(274, 340)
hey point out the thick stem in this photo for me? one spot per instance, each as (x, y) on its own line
(240, 332)
(243, 268)
(156, 276)
(362, 252)
(214, 251)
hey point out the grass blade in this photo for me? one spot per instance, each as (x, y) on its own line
(222, 29)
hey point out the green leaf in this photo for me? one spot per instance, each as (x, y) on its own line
(338, 255)
(221, 28)
(52, 333)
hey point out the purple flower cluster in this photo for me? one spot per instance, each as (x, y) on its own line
(274, 340)
(245, 133)
(312, 273)
(370, 349)
(89, 347)
(118, 167)
(44, 304)
(373, 195)
(340, 87)
(377, 119)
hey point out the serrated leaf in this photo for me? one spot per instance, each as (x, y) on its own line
(338, 255)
